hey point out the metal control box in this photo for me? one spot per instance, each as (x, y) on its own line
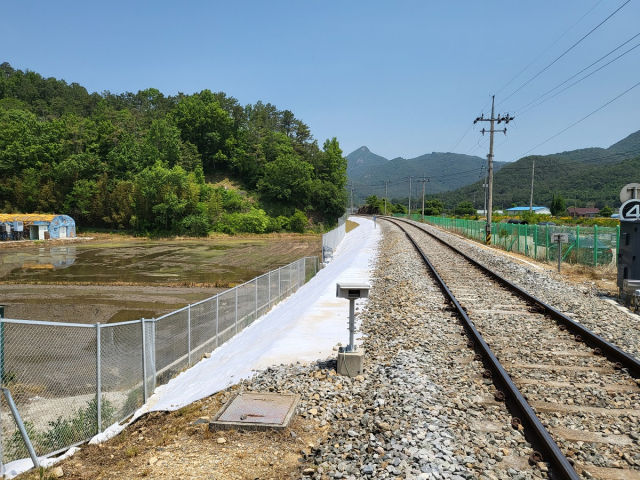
(629, 244)
(352, 290)
(629, 254)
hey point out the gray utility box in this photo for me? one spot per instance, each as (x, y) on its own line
(352, 290)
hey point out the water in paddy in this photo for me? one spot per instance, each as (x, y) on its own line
(135, 262)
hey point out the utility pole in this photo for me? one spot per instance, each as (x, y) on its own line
(424, 182)
(409, 197)
(533, 169)
(491, 131)
(385, 196)
(484, 186)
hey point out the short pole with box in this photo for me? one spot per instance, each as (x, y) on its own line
(351, 358)
(560, 238)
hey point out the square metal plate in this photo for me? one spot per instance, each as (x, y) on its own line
(256, 411)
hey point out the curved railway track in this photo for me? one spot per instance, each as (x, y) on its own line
(573, 392)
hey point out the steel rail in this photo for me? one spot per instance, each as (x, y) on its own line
(610, 351)
(535, 432)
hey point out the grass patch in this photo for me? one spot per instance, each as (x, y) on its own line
(61, 433)
(351, 225)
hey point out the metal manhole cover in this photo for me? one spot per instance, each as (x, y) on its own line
(256, 411)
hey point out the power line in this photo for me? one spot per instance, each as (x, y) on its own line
(583, 78)
(460, 139)
(583, 118)
(525, 168)
(564, 53)
(470, 127)
(547, 49)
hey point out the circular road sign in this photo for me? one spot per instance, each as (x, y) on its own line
(629, 191)
(630, 210)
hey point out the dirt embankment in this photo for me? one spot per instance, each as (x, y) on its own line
(179, 445)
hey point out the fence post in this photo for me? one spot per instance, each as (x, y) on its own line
(189, 334)
(577, 244)
(546, 242)
(153, 352)
(21, 427)
(98, 381)
(279, 284)
(144, 362)
(217, 317)
(304, 269)
(236, 289)
(595, 245)
(535, 241)
(256, 314)
(269, 289)
(2, 346)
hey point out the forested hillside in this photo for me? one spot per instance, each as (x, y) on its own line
(140, 160)
(585, 177)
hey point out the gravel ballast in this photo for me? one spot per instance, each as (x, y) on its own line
(421, 409)
(583, 303)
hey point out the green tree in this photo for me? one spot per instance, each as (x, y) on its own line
(79, 200)
(206, 125)
(558, 205)
(465, 208)
(399, 208)
(606, 211)
(433, 207)
(287, 180)
(332, 166)
(298, 222)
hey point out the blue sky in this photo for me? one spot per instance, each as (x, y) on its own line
(401, 77)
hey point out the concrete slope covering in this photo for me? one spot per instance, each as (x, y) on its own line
(303, 328)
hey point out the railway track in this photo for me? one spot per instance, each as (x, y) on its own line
(575, 394)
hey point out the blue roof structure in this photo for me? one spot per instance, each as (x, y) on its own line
(522, 209)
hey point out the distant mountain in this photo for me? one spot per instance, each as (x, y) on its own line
(443, 171)
(601, 156)
(361, 160)
(588, 176)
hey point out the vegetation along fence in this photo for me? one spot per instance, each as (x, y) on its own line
(70, 380)
(587, 245)
(332, 239)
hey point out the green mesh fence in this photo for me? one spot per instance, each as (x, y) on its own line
(587, 245)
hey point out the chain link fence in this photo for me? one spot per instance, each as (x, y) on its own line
(593, 246)
(332, 239)
(70, 381)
